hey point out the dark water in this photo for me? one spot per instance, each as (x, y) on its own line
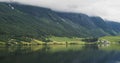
(61, 54)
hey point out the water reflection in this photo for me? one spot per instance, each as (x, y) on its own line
(61, 54)
(103, 45)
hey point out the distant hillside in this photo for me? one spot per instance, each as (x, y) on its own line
(24, 22)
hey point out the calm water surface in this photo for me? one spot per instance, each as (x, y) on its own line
(61, 54)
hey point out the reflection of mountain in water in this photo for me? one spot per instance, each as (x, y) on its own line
(62, 54)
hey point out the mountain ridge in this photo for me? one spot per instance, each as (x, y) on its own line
(36, 22)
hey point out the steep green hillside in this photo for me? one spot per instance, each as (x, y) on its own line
(95, 26)
(16, 24)
(104, 25)
(25, 23)
(115, 26)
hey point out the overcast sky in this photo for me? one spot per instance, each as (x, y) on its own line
(107, 9)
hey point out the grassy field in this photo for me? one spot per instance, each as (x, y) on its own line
(64, 40)
(111, 38)
(54, 41)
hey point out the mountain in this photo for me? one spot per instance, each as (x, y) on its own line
(25, 22)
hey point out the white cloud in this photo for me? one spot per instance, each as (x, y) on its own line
(107, 9)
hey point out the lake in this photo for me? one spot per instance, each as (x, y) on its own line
(60, 54)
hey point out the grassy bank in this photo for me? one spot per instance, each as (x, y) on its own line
(111, 39)
(60, 41)
(53, 41)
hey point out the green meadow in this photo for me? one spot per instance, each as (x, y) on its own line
(112, 39)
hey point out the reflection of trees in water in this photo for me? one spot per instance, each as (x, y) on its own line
(80, 56)
(103, 45)
(45, 48)
(22, 50)
(88, 54)
(17, 50)
(91, 46)
(95, 46)
(13, 52)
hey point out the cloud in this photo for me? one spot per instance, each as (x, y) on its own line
(107, 9)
